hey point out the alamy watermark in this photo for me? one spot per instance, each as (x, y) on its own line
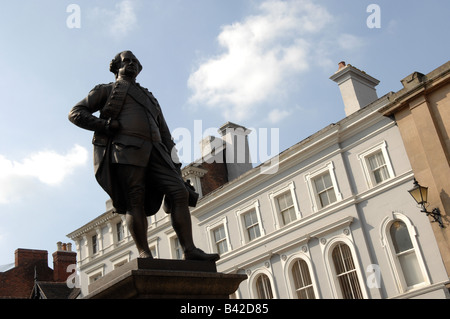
(73, 280)
(237, 145)
(73, 21)
(373, 276)
(263, 143)
(374, 19)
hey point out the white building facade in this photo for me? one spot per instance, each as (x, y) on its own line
(333, 220)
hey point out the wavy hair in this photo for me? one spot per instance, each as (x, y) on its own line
(114, 66)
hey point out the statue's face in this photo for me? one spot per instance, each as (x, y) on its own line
(129, 66)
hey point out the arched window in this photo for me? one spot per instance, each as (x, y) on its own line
(399, 238)
(263, 287)
(346, 272)
(302, 280)
(405, 253)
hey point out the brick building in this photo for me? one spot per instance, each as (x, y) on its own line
(32, 278)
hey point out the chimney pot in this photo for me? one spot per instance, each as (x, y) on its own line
(342, 65)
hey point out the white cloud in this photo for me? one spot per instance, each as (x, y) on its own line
(262, 55)
(47, 167)
(118, 21)
(277, 115)
(349, 41)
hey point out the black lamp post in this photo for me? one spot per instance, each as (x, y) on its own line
(420, 195)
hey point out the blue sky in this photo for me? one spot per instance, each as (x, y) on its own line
(262, 64)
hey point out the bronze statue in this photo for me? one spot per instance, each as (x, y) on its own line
(133, 155)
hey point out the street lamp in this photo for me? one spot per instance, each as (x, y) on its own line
(420, 195)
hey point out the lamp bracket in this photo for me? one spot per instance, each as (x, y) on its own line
(436, 214)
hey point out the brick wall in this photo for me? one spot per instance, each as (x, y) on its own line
(18, 282)
(215, 177)
(61, 260)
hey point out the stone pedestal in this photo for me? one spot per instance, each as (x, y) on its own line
(162, 279)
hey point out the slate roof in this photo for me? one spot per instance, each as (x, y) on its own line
(53, 290)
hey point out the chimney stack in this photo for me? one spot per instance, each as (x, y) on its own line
(211, 149)
(237, 151)
(62, 258)
(30, 256)
(357, 88)
(223, 158)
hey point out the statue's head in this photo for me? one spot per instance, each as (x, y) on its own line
(125, 63)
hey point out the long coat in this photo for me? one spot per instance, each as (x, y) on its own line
(82, 115)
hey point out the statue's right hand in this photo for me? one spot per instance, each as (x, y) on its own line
(114, 125)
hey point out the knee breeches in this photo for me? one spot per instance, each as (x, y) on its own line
(133, 181)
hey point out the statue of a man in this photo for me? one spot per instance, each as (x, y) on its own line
(133, 155)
